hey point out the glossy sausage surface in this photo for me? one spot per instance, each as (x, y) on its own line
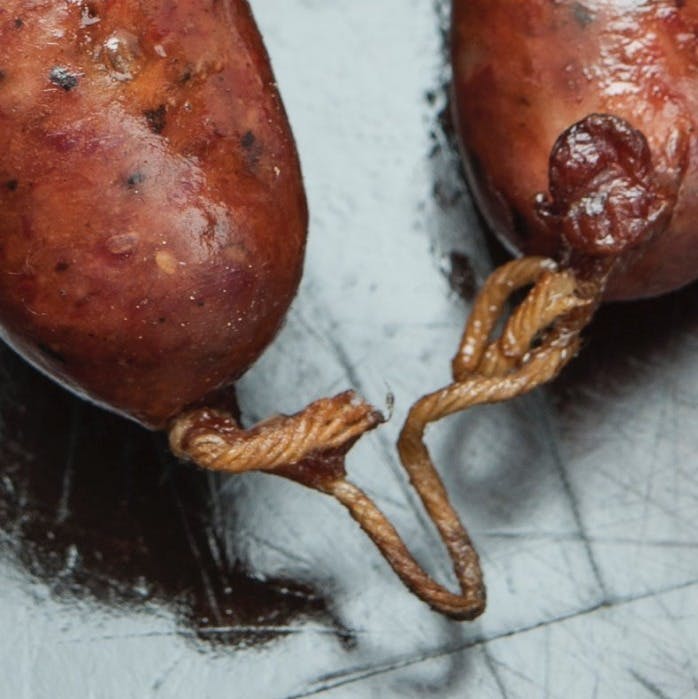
(527, 70)
(152, 213)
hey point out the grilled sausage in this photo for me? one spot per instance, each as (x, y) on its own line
(152, 213)
(526, 71)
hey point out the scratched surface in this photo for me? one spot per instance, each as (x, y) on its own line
(125, 574)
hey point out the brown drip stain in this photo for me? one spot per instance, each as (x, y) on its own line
(96, 508)
(462, 276)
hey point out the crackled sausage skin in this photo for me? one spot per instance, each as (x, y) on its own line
(152, 214)
(525, 71)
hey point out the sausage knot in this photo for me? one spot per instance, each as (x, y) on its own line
(604, 195)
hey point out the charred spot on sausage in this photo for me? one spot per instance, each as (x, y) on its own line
(156, 118)
(135, 179)
(12, 185)
(186, 75)
(252, 147)
(63, 78)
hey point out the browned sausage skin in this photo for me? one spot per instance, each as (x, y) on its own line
(152, 213)
(527, 70)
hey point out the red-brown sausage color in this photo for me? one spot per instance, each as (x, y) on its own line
(152, 214)
(526, 71)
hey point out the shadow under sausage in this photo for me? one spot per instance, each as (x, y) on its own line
(94, 507)
(625, 337)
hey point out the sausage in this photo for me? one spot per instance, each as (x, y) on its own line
(152, 211)
(527, 71)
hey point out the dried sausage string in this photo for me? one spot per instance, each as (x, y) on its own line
(539, 338)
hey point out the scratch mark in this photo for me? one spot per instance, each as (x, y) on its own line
(494, 670)
(547, 666)
(164, 676)
(279, 630)
(218, 631)
(214, 548)
(196, 552)
(649, 478)
(26, 669)
(571, 496)
(649, 686)
(630, 488)
(284, 552)
(512, 670)
(575, 537)
(348, 676)
(126, 637)
(63, 509)
(205, 578)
